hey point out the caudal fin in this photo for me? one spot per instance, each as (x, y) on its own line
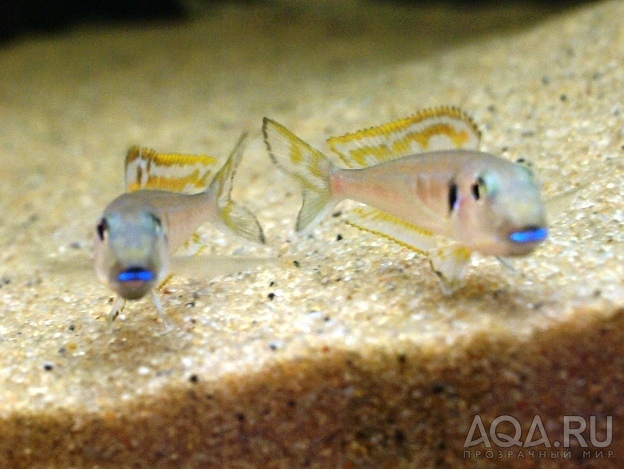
(309, 166)
(233, 218)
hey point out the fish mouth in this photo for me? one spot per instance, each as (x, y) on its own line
(134, 282)
(136, 275)
(531, 234)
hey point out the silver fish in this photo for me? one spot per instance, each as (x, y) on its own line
(422, 178)
(168, 201)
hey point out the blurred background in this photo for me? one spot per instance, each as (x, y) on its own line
(28, 17)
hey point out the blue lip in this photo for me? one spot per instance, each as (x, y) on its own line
(136, 274)
(534, 235)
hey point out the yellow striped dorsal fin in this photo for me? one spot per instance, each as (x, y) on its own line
(442, 128)
(392, 228)
(188, 174)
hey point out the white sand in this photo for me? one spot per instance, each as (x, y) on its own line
(358, 359)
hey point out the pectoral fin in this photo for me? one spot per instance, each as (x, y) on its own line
(118, 306)
(559, 203)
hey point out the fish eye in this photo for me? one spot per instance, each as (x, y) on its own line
(452, 196)
(102, 228)
(525, 163)
(157, 222)
(478, 189)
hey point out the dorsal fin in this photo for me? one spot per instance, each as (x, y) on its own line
(188, 174)
(442, 128)
(393, 228)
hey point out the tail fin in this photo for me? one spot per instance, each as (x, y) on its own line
(233, 218)
(309, 166)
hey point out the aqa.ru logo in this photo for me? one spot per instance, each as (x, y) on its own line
(573, 427)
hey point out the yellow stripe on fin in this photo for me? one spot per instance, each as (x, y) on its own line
(309, 166)
(295, 157)
(233, 218)
(442, 128)
(449, 264)
(187, 174)
(392, 228)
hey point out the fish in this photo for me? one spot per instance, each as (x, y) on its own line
(424, 184)
(169, 197)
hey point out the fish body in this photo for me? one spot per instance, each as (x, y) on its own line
(139, 231)
(417, 189)
(422, 177)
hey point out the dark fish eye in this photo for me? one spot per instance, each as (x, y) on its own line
(475, 191)
(156, 220)
(478, 189)
(452, 197)
(524, 162)
(158, 228)
(102, 228)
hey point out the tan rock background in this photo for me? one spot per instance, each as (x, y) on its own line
(352, 357)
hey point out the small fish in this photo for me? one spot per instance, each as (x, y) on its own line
(422, 178)
(170, 196)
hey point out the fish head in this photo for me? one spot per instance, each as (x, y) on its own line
(131, 251)
(498, 209)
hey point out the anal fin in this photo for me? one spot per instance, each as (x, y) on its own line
(448, 262)
(392, 228)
